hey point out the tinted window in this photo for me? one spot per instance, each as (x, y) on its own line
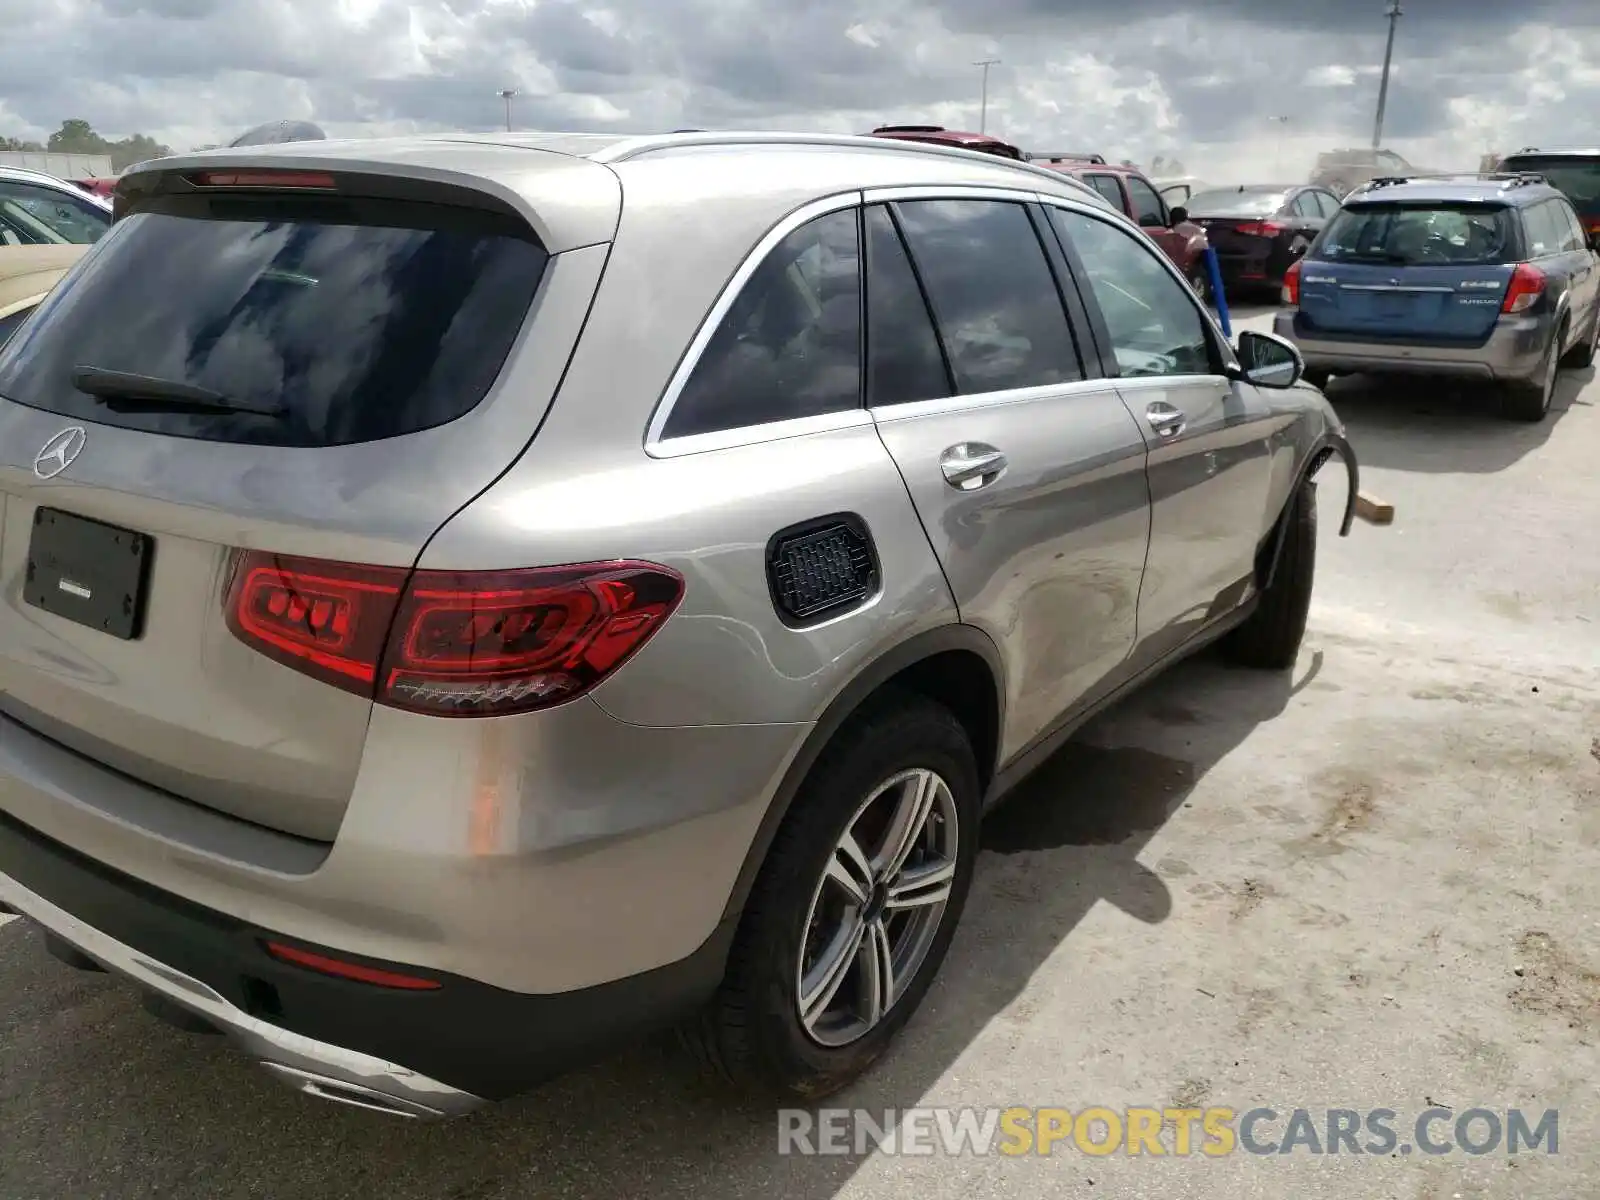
(1154, 325)
(1569, 221)
(1147, 208)
(992, 292)
(904, 359)
(1231, 202)
(1108, 187)
(31, 216)
(790, 346)
(1305, 205)
(357, 321)
(1578, 179)
(1419, 235)
(8, 324)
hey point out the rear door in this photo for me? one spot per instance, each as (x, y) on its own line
(1023, 462)
(1209, 437)
(1415, 272)
(331, 379)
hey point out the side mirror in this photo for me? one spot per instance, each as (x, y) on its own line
(1268, 360)
(1179, 214)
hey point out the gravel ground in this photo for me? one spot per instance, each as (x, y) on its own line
(1370, 886)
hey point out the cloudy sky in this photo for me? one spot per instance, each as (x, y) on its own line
(1130, 77)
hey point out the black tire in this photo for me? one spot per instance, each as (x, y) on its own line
(1270, 638)
(751, 1033)
(1584, 353)
(1529, 399)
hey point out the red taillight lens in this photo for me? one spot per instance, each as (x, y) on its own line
(1526, 286)
(317, 180)
(452, 643)
(1268, 229)
(348, 970)
(1291, 285)
(329, 620)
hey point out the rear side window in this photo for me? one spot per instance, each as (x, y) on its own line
(1108, 187)
(992, 292)
(1305, 205)
(905, 363)
(1547, 233)
(42, 216)
(1420, 235)
(1329, 203)
(342, 321)
(790, 346)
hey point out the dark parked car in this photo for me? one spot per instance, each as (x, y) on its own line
(938, 135)
(1260, 229)
(1573, 173)
(1131, 193)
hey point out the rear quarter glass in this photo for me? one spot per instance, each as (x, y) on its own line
(357, 319)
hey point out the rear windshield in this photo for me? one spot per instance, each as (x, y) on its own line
(1223, 203)
(1579, 179)
(1419, 235)
(346, 321)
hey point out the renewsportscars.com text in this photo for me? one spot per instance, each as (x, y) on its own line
(1214, 1132)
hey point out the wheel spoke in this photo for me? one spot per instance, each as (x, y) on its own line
(822, 981)
(922, 885)
(910, 819)
(850, 869)
(877, 974)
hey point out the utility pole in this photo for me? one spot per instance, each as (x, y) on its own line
(983, 112)
(506, 94)
(1277, 147)
(1393, 13)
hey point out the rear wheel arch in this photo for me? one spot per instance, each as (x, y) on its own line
(957, 666)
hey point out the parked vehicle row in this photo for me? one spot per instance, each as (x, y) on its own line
(730, 608)
(1259, 230)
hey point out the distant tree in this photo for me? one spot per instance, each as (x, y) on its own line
(77, 136)
(11, 144)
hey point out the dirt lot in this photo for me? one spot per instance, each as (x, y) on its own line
(1373, 885)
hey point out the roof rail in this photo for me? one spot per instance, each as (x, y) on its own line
(1507, 179)
(636, 147)
(1056, 156)
(910, 129)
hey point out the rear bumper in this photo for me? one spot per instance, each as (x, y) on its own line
(423, 1054)
(1512, 351)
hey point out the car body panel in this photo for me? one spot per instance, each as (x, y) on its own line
(599, 840)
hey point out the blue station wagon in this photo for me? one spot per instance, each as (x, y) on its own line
(1488, 278)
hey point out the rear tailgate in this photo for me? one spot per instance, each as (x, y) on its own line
(1417, 271)
(384, 327)
(1445, 304)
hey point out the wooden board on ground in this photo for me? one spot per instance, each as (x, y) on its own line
(1374, 511)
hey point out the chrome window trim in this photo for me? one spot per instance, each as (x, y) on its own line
(1229, 358)
(767, 431)
(948, 191)
(657, 446)
(885, 414)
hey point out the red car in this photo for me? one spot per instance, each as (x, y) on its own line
(938, 135)
(97, 187)
(1128, 189)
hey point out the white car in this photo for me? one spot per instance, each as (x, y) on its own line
(40, 210)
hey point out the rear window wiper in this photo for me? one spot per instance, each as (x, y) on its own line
(124, 391)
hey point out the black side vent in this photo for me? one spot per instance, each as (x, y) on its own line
(821, 568)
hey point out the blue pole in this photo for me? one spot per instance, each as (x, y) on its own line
(1215, 271)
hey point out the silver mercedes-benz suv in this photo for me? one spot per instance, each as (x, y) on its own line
(470, 599)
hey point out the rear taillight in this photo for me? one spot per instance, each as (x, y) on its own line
(1526, 286)
(1291, 285)
(1267, 229)
(451, 643)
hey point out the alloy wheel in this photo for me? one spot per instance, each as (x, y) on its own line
(878, 906)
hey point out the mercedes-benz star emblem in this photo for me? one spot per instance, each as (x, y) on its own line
(59, 453)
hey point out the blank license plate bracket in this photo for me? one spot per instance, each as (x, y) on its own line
(89, 572)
